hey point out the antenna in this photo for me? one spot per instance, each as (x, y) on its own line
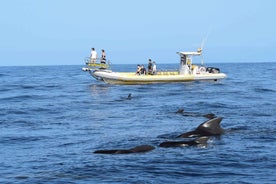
(199, 50)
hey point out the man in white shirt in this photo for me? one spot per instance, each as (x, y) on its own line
(154, 68)
(93, 56)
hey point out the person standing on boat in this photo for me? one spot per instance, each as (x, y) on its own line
(103, 59)
(93, 56)
(150, 67)
(154, 68)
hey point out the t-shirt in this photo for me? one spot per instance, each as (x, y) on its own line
(93, 54)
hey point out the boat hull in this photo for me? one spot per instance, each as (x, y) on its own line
(161, 77)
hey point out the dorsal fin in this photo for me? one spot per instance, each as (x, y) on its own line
(211, 127)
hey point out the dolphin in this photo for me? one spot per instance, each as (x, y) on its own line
(137, 149)
(129, 96)
(207, 128)
(179, 111)
(200, 140)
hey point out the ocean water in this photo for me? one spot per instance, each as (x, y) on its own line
(52, 119)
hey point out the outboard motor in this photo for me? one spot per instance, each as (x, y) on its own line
(213, 70)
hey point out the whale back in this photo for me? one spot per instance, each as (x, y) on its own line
(142, 148)
(137, 149)
(197, 141)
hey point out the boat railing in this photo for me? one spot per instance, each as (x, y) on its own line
(98, 63)
(168, 72)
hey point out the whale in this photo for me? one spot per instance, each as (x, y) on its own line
(195, 114)
(207, 128)
(195, 142)
(137, 149)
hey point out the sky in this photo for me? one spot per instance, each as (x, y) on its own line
(62, 32)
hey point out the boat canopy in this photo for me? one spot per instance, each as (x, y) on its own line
(189, 53)
(186, 61)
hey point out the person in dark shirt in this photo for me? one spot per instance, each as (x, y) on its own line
(143, 70)
(138, 72)
(103, 59)
(150, 67)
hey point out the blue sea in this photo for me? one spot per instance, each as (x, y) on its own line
(52, 119)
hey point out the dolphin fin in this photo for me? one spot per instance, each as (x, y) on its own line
(211, 127)
(179, 111)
